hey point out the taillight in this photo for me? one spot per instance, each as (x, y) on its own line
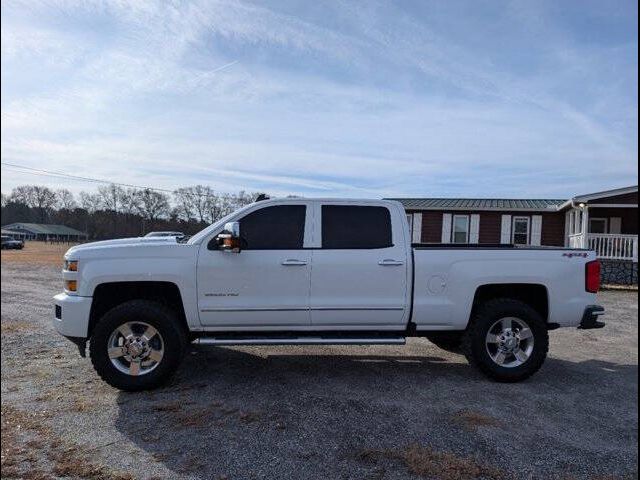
(592, 284)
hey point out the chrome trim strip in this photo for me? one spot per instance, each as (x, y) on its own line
(257, 309)
(298, 309)
(355, 308)
(300, 341)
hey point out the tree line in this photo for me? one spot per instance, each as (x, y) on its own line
(113, 211)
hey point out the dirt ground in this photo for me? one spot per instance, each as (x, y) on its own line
(37, 253)
(315, 412)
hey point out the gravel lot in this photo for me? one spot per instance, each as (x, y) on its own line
(316, 412)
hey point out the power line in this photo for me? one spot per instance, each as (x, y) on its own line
(49, 173)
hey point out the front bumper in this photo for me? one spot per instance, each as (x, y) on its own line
(71, 315)
(590, 317)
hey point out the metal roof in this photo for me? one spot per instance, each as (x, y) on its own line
(44, 229)
(480, 204)
(607, 193)
(11, 232)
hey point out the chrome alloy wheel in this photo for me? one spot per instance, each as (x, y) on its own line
(509, 342)
(135, 348)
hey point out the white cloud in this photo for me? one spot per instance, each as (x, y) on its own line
(249, 97)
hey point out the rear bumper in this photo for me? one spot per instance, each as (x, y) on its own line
(71, 315)
(590, 317)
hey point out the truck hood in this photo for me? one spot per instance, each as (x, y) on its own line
(111, 245)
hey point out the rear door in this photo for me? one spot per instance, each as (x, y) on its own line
(266, 285)
(359, 272)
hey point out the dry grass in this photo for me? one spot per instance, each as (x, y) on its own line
(168, 407)
(631, 476)
(81, 405)
(11, 328)
(426, 463)
(215, 413)
(249, 417)
(38, 253)
(30, 450)
(471, 420)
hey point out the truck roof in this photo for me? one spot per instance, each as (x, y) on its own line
(328, 199)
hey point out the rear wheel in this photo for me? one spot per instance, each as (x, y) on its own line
(137, 345)
(507, 340)
(448, 341)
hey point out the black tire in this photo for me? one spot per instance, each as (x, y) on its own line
(474, 339)
(448, 341)
(163, 319)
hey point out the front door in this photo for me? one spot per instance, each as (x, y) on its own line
(359, 274)
(266, 285)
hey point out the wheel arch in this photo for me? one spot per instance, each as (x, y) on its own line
(534, 295)
(111, 294)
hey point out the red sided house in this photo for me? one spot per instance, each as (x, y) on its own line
(606, 222)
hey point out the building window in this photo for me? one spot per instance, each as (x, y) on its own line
(598, 225)
(520, 234)
(460, 229)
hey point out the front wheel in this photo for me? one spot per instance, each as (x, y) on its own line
(507, 340)
(137, 345)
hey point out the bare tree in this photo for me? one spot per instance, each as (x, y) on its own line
(197, 201)
(22, 194)
(114, 211)
(215, 208)
(65, 200)
(111, 196)
(243, 198)
(229, 202)
(183, 204)
(129, 201)
(40, 198)
(91, 202)
(153, 204)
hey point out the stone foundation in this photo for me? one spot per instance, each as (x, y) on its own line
(619, 272)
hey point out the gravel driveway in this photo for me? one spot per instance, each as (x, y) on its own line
(316, 412)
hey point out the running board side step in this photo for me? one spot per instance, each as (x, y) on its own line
(299, 341)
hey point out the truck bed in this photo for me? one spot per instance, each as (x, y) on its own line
(446, 279)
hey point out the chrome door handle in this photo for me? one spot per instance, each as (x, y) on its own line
(293, 262)
(388, 262)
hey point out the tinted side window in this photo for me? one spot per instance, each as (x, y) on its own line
(279, 227)
(355, 227)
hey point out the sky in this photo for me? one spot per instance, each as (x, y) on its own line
(327, 98)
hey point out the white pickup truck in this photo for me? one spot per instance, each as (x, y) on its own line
(318, 271)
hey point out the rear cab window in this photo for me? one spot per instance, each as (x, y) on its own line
(356, 227)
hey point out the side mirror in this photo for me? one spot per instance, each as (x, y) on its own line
(229, 239)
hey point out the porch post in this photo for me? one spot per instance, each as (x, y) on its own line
(585, 226)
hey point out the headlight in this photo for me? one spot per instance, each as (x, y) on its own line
(71, 265)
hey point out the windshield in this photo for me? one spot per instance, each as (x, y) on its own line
(203, 233)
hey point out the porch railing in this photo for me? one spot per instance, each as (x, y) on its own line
(609, 246)
(614, 246)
